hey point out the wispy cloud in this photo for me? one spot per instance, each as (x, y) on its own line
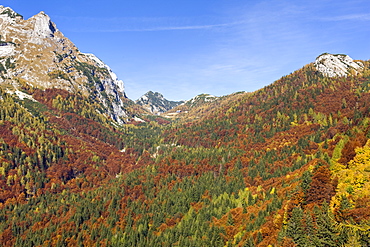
(353, 17)
(167, 28)
(144, 24)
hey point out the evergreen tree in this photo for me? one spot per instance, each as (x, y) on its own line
(295, 228)
(326, 233)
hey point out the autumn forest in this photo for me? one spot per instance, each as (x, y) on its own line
(287, 165)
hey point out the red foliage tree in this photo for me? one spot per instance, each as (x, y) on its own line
(321, 187)
(348, 151)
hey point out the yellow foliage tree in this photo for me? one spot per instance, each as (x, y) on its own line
(354, 181)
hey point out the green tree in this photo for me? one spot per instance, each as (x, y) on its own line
(326, 234)
(295, 228)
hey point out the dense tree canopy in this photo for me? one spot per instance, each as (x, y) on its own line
(287, 165)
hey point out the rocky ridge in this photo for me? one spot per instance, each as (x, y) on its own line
(332, 65)
(34, 53)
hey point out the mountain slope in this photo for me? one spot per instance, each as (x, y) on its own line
(35, 54)
(279, 137)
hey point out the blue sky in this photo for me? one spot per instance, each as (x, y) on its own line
(184, 48)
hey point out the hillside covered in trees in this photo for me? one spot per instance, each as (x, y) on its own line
(287, 165)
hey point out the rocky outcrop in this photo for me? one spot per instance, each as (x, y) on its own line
(200, 99)
(331, 65)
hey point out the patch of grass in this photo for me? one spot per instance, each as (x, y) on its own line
(34, 107)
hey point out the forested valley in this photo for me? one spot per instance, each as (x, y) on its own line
(286, 165)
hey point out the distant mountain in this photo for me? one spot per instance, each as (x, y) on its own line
(200, 106)
(35, 54)
(156, 103)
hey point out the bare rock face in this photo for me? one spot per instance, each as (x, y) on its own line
(36, 53)
(337, 65)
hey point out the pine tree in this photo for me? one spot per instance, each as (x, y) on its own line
(295, 228)
(326, 234)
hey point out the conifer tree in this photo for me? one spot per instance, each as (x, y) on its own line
(326, 234)
(295, 228)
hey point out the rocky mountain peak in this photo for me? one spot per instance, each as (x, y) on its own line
(35, 53)
(7, 16)
(332, 65)
(42, 28)
(6, 11)
(156, 103)
(152, 95)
